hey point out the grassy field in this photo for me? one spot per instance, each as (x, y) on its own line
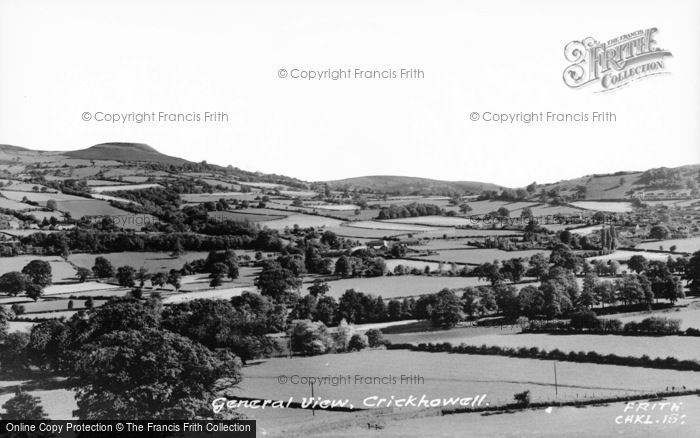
(586, 422)
(302, 220)
(60, 269)
(478, 256)
(437, 221)
(399, 286)
(223, 293)
(623, 256)
(74, 288)
(433, 266)
(437, 244)
(682, 245)
(44, 306)
(153, 261)
(452, 375)
(14, 205)
(690, 318)
(58, 403)
(246, 216)
(612, 207)
(680, 347)
(392, 226)
(364, 233)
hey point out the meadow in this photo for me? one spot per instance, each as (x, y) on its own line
(60, 269)
(152, 261)
(612, 207)
(680, 347)
(452, 375)
(624, 255)
(302, 220)
(399, 286)
(555, 422)
(479, 256)
(682, 245)
(690, 317)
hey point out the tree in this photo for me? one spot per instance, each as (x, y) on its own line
(531, 301)
(357, 343)
(158, 279)
(83, 274)
(38, 272)
(148, 374)
(637, 263)
(310, 338)
(33, 291)
(522, 398)
(564, 257)
(447, 309)
(12, 283)
(659, 232)
(51, 205)
(692, 272)
(13, 352)
(174, 277)
(126, 276)
(177, 249)
(326, 310)
(23, 406)
(47, 342)
(319, 287)
(375, 338)
(277, 282)
(142, 276)
(103, 268)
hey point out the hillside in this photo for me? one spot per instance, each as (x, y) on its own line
(125, 152)
(406, 185)
(665, 182)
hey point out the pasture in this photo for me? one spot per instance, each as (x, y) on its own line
(624, 256)
(589, 421)
(60, 269)
(479, 256)
(152, 261)
(452, 375)
(611, 207)
(680, 347)
(399, 286)
(682, 245)
(302, 220)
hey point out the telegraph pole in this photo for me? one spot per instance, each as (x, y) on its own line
(556, 386)
(313, 409)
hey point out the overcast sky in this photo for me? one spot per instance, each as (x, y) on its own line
(61, 59)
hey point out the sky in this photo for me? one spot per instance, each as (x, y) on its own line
(60, 60)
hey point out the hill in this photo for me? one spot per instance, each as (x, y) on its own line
(125, 152)
(406, 185)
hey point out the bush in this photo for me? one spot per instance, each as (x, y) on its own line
(522, 398)
(357, 343)
(375, 338)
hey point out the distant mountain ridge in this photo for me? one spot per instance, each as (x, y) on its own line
(407, 185)
(125, 152)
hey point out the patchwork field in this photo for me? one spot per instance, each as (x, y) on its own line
(393, 226)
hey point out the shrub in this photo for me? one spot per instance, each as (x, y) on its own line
(357, 343)
(522, 398)
(375, 338)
